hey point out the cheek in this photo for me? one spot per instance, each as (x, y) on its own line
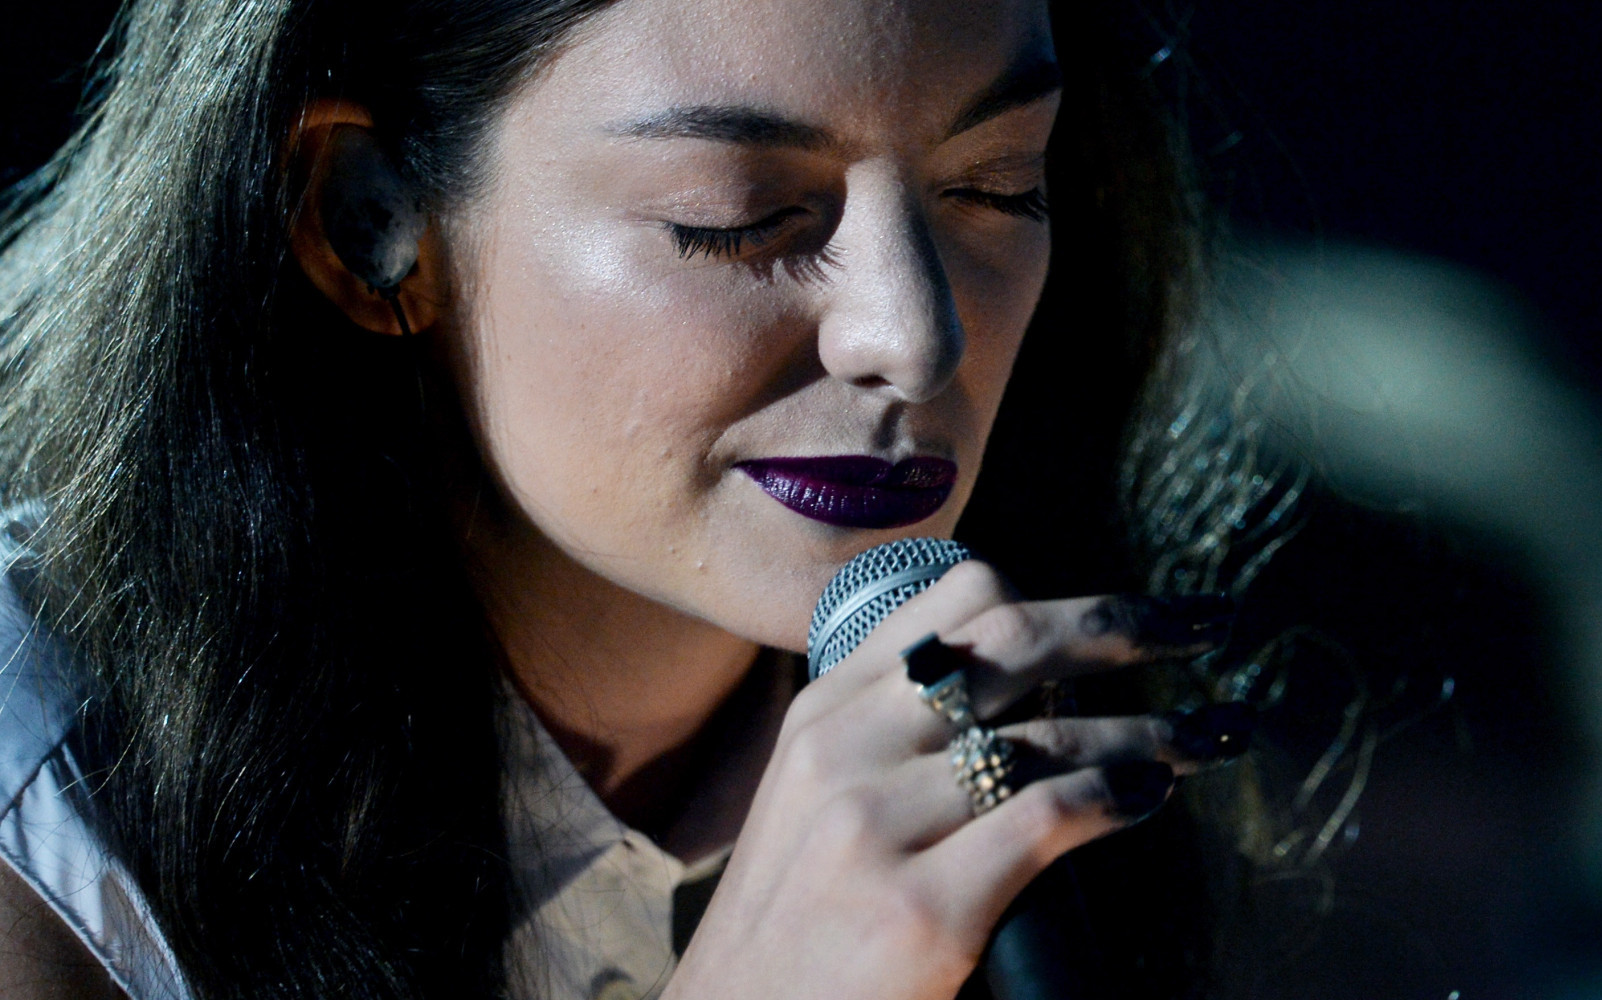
(610, 367)
(996, 289)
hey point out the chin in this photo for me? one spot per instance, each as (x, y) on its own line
(776, 612)
(771, 602)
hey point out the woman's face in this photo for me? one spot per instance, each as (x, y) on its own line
(747, 282)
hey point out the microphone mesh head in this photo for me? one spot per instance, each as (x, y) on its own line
(868, 588)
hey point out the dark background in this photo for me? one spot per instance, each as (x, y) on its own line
(1465, 131)
(1471, 131)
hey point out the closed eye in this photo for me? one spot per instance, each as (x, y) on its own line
(711, 242)
(1032, 205)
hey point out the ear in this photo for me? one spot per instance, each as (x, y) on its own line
(333, 159)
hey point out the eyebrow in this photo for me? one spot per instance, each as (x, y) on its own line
(743, 125)
(1023, 84)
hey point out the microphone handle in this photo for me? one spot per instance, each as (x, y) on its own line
(1044, 948)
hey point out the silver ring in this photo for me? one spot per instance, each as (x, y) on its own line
(949, 697)
(983, 760)
(947, 694)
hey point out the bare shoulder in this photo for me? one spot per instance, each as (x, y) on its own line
(40, 957)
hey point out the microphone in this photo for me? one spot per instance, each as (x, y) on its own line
(868, 588)
(1043, 948)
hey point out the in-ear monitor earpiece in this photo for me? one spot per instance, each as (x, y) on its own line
(371, 216)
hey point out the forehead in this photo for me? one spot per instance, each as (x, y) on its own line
(858, 66)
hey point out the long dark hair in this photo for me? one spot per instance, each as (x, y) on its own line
(292, 690)
(288, 723)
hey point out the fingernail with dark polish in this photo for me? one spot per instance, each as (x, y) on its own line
(1214, 732)
(1191, 620)
(1138, 787)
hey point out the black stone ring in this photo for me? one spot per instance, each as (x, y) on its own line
(940, 672)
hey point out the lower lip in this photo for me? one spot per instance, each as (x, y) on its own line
(856, 491)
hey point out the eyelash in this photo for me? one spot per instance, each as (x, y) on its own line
(1031, 205)
(693, 241)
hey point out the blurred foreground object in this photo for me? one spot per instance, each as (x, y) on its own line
(1411, 384)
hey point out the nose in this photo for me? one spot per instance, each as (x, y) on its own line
(891, 320)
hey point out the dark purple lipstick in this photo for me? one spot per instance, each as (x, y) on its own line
(856, 491)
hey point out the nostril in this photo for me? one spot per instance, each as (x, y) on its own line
(871, 382)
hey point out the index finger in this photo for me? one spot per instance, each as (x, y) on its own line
(1016, 646)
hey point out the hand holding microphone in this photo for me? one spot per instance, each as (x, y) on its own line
(870, 866)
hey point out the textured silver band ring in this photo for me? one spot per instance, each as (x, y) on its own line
(942, 682)
(983, 760)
